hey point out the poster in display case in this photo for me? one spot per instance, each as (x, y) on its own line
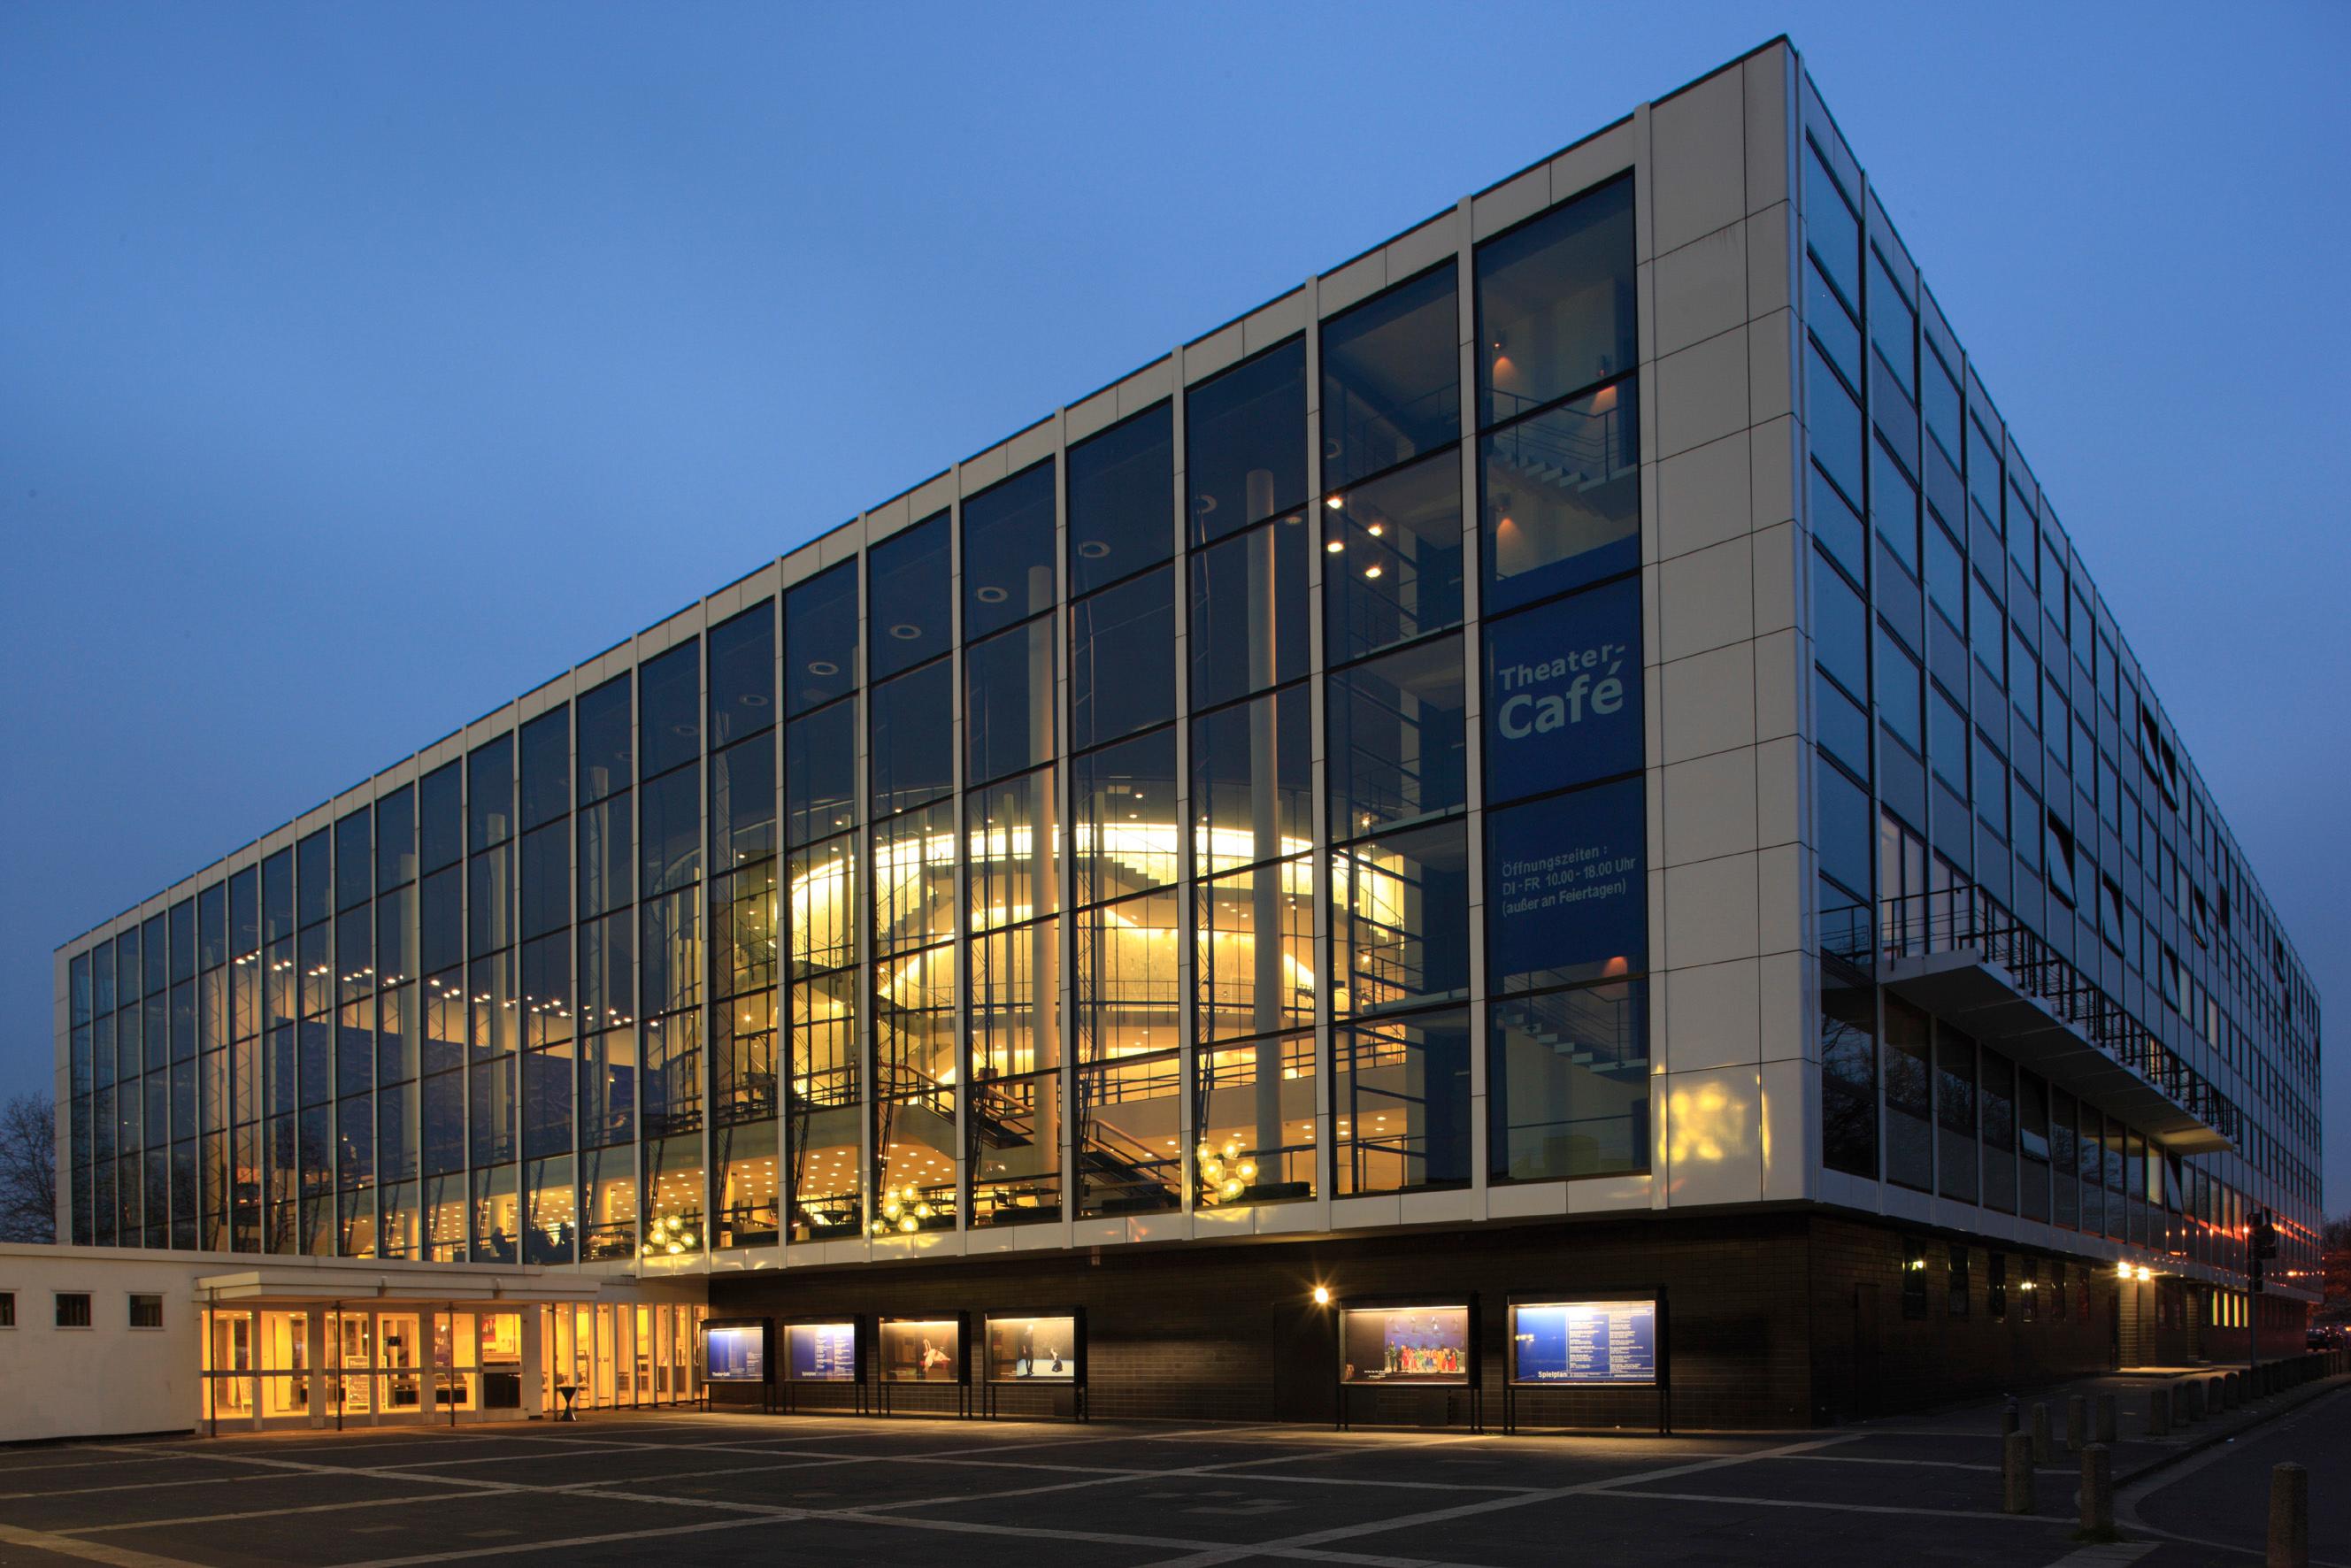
(923, 1352)
(821, 1351)
(1035, 1347)
(738, 1350)
(1599, 1344)
(1418, 1343)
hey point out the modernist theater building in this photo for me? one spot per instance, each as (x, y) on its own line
(1550, 821)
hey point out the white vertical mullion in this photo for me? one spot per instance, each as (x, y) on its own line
(1325, 938)
(1473, 706)
(1187, 1020)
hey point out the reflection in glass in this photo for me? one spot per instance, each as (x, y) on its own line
(913, 878)
(1008, 704)
(1123, 660)
(1008, 551)
(669, 710)
(743, 673)
(1252, 782)
(1248, 627)
(1400, 1103)
(1015, 1000)
(746, 1184)
(1392, 377)
(1121, 499)
(1126, 998)
(820, 639)
(1014, 850)
(1244, 442)
(913, 724)
(1032, 1349)
(912, 597)
(820, 773)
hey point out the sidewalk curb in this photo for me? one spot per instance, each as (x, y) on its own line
(2294, 1399)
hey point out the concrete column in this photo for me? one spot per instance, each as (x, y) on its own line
(2289, 1543)
(534, 1364)
(2016, 1473)
(428, 1362)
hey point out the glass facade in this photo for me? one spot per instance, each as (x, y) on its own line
(1993, 771)
(1103, 843)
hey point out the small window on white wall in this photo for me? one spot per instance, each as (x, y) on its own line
(146, 1312)
(73, 1309)
(8, 1308)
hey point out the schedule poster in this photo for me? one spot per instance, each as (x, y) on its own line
(1585, 1342)
(822, 1353)
(736, 1353)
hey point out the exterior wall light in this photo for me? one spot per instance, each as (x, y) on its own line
(1322, 1295)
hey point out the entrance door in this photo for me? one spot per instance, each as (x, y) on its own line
(1865, 1306)
(402, 1392)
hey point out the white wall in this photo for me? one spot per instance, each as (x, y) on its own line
(108, 1379)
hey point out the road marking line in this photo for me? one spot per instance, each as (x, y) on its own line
(90, 1550)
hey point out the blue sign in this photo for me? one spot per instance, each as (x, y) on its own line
(1564, 692)
(1585, 1342)
(736, 1353)
(1567, 893)
(822, 1353)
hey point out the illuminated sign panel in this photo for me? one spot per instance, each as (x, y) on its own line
(1585, 1342)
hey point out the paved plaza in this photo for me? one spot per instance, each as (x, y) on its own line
(725, 1488)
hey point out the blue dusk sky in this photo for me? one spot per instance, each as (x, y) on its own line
(362, 366)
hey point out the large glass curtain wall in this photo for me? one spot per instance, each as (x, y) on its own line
(1986, 755)
(1130, 829)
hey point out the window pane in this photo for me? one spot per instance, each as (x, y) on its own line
(912, 609)
(1121, 499)
(1391, 377)
(743, 802)
(913, 878)
(669, 710)
(1566, 889)
(608, 860)
(1568, 1083)
(820, 639)
(1008, 551)
(606, 758)
(395, 862)
(354, 880)
(670, 821)
(1123, 803)
(1256, 1121)
(1013, 843)
(1563, 497)
(1245, 442)
(1400, 1103)
(1392, 567)
(1015, 1003)
(1248, 613)
(1255, 963)
(914, 1024)
(546, 767)
(822, 911)
(1126, 998)
(608, 1088)
(1123, 660)
(1016, 1150)
(490, 795)
(1398, 745)
(820, 773)
(1130, 1136)
(912, 757)
(546, 879)
(1564, 692)
(743, 673)
(1252, 782)
(1555, 304)
(1008, 704)
(1400, 919)
(608, 971)
(1849, 1078)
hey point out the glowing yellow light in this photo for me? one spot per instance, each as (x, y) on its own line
(908, 1223)
(1247, 1170)
(1322, 1295)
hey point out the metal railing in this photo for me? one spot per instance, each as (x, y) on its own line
(1966, 919)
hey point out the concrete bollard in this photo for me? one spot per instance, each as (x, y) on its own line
(2289, 1517)
(2102, 1424)
(2041, 1434)
(2097, 1493)
(2158, 1411)
(2190, 1401)
(2077, 1423)
(2016, 1473)
(2216, 1395)
(2008, 1415)
(2232, 1389)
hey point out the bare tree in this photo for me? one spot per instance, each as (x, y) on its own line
(28, 1169)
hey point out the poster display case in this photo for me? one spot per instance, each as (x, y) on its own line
(1409, 1344)
(1604, 1341)
(824, 1357)
(1044, 1349)
(926, 1351)
(739, 1359)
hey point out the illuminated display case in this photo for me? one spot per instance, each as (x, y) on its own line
(1043, 1349)
(1591, 1343)
(739, 1351)
(928, 1352)
(1412, 1343)
(823, 1364)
